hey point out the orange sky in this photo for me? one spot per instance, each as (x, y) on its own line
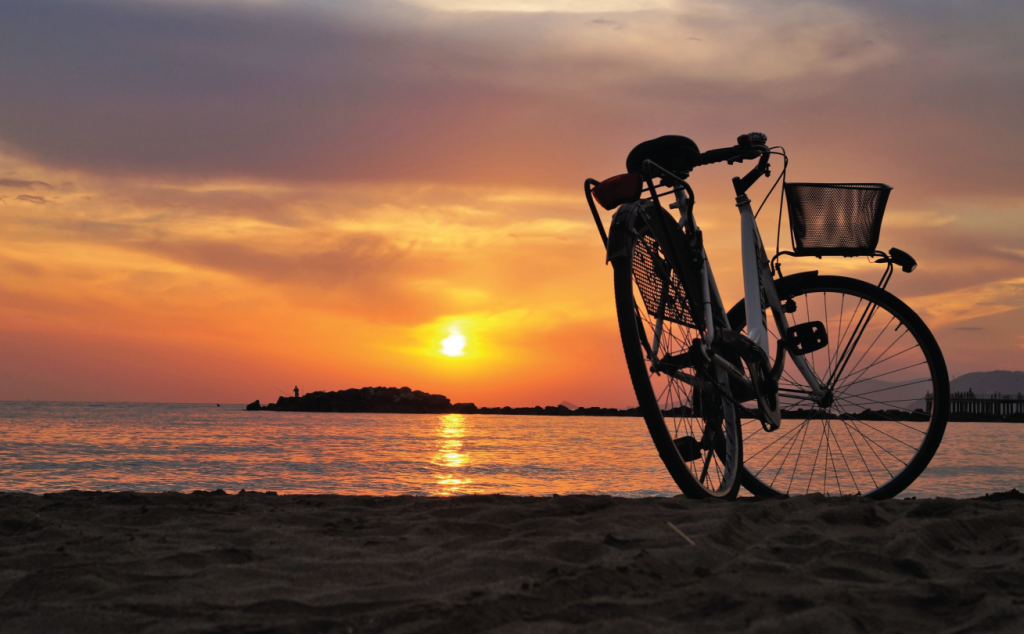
(214, 201)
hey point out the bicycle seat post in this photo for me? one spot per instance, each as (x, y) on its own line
(682, 204)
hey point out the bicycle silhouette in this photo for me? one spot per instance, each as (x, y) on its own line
(828, 395)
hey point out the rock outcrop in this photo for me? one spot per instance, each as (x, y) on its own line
(398, 400)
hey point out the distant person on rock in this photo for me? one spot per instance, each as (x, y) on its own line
(296, 391)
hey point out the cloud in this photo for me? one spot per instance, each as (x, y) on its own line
(367, 262)
(35, 200)
(21, 267)
(267, 176)
(351, 92)
(19, 184)
(943, 309)
(423, 252)
(545, 6)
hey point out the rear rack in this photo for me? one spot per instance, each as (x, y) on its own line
(668, 181)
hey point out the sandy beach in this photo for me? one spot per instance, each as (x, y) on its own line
(257, 562)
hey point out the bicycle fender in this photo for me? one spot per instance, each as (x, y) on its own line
(783, 283)
(619, 231)
(781, 286)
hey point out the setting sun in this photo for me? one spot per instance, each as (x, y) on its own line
(454, 345)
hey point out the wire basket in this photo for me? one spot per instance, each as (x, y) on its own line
(836, 218)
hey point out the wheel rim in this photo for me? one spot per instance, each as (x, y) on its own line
(869, 440)
(703, 443)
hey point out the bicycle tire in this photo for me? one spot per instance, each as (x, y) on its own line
(699, 442)
(880, 450)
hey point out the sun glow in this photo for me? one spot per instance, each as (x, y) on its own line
(451, 456)
(454, 345)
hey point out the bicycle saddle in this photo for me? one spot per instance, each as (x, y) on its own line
(677, 154)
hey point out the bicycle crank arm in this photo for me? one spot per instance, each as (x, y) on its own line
(747, 349)
(735, 373)
(762, 383)
(698, 384)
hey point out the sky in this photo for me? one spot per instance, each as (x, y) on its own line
(217, 200)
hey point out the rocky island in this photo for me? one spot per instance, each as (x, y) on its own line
(403, 400)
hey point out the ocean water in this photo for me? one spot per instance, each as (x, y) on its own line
(48, 447)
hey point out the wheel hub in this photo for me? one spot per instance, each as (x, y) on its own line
(827, 399)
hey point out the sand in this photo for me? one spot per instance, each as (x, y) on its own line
(125, 562)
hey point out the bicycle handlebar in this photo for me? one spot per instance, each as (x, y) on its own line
(679, 155)
(748, 146)
(732, 154)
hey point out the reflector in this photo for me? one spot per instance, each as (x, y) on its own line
(618, 190)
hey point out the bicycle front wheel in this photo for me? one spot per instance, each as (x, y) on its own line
(887, 395)
(694, 426)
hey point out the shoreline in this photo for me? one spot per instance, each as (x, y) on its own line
(404, 400)
(132, 562)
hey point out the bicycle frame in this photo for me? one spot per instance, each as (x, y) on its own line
(759, 294)
(702, 374)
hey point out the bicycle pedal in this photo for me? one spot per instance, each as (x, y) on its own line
(803, 339)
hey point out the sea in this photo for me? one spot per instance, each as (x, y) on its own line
(58, 446)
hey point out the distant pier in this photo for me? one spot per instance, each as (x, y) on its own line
(967, 406)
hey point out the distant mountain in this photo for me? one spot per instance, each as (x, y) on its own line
(1002, 381)
(569, 405)
(906, 394)
(910, 393)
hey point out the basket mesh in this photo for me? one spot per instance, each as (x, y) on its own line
(663, 294)
(836, 218)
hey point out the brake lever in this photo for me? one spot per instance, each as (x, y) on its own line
(753, 152)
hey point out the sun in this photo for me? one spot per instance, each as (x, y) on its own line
(454, 345)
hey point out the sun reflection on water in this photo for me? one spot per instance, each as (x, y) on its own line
(450, 457)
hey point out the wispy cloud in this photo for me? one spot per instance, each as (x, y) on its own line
(965, 304)
(333, 185)
(20, 184)
(605, 22)
(544, 6)
(375, 92)
(35, 200)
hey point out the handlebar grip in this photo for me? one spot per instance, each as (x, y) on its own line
(734, 153)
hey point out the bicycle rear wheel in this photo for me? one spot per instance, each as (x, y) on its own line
(889, 396)
(693, 425)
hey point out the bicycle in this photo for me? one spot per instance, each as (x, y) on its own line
(864, 406)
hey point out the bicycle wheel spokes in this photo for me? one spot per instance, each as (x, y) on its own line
(876, 431)
(696, 432)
